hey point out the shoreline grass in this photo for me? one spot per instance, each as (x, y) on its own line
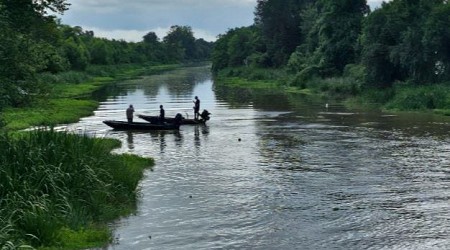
(59, 190)
(70, 96)
(57, 193)
(348, 89)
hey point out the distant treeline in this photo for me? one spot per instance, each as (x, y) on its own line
(402, 41)
(33, 42)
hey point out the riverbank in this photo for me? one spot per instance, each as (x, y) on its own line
(57, 193)
(68, 100)
(348, 89)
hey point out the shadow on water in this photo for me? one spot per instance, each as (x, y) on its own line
(135, 139)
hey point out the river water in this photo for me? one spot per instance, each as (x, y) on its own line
(278, 171)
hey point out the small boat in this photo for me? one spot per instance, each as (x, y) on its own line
(123, 125)
(155, 119)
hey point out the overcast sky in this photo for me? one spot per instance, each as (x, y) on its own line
(130, 20)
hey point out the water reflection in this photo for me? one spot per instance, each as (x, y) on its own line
(303, 175)
(200, 133)
(179, 140)
(197, 142)
(130, 140)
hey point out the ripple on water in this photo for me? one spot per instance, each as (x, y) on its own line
(299, 178)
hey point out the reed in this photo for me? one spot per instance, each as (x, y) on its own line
(50, 181)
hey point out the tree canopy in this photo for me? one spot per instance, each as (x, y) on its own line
(33, 41)
(403, 40)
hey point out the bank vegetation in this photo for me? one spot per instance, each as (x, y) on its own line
(395, 57)
(60, 190)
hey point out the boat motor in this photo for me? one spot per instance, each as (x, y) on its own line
(205, 115)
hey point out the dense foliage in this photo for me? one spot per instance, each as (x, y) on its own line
(33, 42)
(402, 41)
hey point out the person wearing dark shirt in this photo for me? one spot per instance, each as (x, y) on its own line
(161, 114)
(196, 108)
(130, 111)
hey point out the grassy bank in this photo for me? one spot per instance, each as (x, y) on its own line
(57, 193)
(59, 190)
(69, 95)
(349, 89)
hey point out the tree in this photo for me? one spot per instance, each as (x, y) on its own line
(280, 23)
(203, 49)
(400, 42)
(74, 47)
(332, 38)
(27, 44)
(239, 46)
(152, 48)
(436, 40)
(77, 54)
(32, 17)
(219, 55)
(101, 52)
(180, 42)
(151, 38)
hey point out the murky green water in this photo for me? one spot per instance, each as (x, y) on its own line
(302, 176)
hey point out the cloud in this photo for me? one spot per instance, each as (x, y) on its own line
(111, 6)
(136, 35)
(127, 35)
(376, 3)
(207, 19)
(131, 20)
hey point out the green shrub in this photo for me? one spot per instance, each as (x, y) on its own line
(73, 77)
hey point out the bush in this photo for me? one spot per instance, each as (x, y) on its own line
(74, 77)
(356, 72)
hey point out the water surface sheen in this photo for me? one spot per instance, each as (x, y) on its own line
(302, 176)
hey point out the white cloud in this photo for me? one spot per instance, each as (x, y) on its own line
(132, 19)
(127, 35)
(207, 36)
(109, 6)
(376, 3)
(136, 35)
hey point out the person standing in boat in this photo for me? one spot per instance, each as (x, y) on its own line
(162, 114)
(196, 108)
(130, 111)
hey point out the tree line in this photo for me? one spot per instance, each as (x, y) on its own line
(402, 41)
(33, 41)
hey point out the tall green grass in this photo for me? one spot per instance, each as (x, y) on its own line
(410, 97)
(52, 183)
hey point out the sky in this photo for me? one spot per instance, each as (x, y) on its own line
(130, 20)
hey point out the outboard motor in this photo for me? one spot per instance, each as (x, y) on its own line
(205, 115)
(178, 118)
